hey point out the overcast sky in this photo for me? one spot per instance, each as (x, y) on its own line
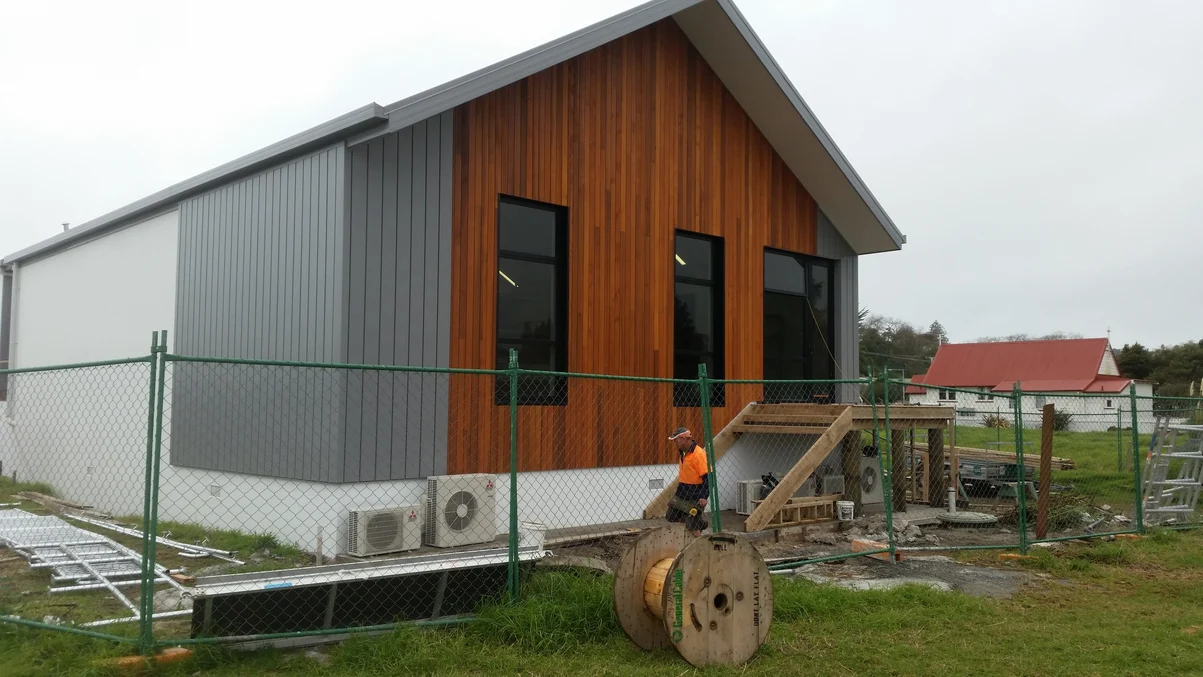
(1042, 158)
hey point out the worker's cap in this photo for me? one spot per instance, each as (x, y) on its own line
(680, 432)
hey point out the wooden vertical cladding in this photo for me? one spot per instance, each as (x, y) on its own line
(637, 138)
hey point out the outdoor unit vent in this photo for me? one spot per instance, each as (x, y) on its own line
(808, 488)
(460, 510)
(749, 490)
(870, 481)
(832, 484)
(374, 532)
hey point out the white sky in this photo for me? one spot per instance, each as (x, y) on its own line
(1043, 159)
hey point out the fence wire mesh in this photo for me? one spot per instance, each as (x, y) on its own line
(337, 492)
(298, 499)
(73, 450)
(1090, 487)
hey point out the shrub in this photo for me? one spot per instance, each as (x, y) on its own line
(1061, 420)
(995, 421)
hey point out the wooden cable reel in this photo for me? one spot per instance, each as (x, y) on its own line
(711, 597)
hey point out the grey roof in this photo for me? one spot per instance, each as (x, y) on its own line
(298, 144)
(716, 28)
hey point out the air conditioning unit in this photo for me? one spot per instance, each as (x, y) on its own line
(460, 510)
(832, 484)
(374, 532)
(808, 488)
(749, 490)
(870, 481)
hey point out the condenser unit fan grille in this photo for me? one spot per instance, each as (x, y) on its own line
(382, 530)
(460, 510)
(868, 480)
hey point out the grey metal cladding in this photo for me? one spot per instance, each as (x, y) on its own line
(847, 330)
(399, 301)
(260, 278)
(829, 244)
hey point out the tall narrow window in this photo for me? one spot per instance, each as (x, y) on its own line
(799, 327)
(698, 317)
(532, 298)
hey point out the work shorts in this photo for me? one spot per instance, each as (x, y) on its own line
(678, 511)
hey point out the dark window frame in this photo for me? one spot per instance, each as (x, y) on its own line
(687, 395)
(554, 389)
(811, 341)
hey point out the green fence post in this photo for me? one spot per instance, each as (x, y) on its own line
(716, 519)
(885, 463)
(152, 528)
(1136, 469)
(146, 589)
(1021, 487)
(513, 545)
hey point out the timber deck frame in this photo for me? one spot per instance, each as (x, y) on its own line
(833, 425)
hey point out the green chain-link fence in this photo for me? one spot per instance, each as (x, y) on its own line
(298, 499)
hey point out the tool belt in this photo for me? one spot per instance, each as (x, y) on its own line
(695, 515)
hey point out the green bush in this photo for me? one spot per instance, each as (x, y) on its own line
(995, 421)
(1061, 420)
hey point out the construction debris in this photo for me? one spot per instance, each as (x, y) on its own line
(79, 560)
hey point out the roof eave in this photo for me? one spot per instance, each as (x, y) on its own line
(321, 135)
(446, 96)
(893, 239)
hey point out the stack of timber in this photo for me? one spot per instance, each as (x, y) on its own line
(1031, 460)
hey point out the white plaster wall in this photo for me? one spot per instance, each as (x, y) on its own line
(754, 455)
(84, 431)
(297, 511)
(1109, 366)
(1093, 413)
(100, 300)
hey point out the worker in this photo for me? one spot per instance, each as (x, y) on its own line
(693, 484)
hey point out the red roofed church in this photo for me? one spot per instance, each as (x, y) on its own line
(1057, 367)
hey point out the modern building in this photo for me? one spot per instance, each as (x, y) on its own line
(636, 198)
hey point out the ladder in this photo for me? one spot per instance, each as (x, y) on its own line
(1180, 448)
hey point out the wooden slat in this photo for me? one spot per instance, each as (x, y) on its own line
(824, 421)
(902, 424)
(831, 410)
(904, 413)
(781, 429)
(804, 510)
(798, 474)
(637, 138)
(1030, 460)
(807, 501)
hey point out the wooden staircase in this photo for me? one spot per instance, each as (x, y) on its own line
(828, 422)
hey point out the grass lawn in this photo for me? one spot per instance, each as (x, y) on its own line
(1096, 473)
(1106, 608)
(23, 590)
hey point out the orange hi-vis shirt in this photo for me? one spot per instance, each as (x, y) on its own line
(693, 466)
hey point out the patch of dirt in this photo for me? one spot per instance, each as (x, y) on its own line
(609, 549)
(941, 573)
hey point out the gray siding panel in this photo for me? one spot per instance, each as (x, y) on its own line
(847, 328)
(260, 270)
(399, 300)
(829, 243)
(443, 336)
